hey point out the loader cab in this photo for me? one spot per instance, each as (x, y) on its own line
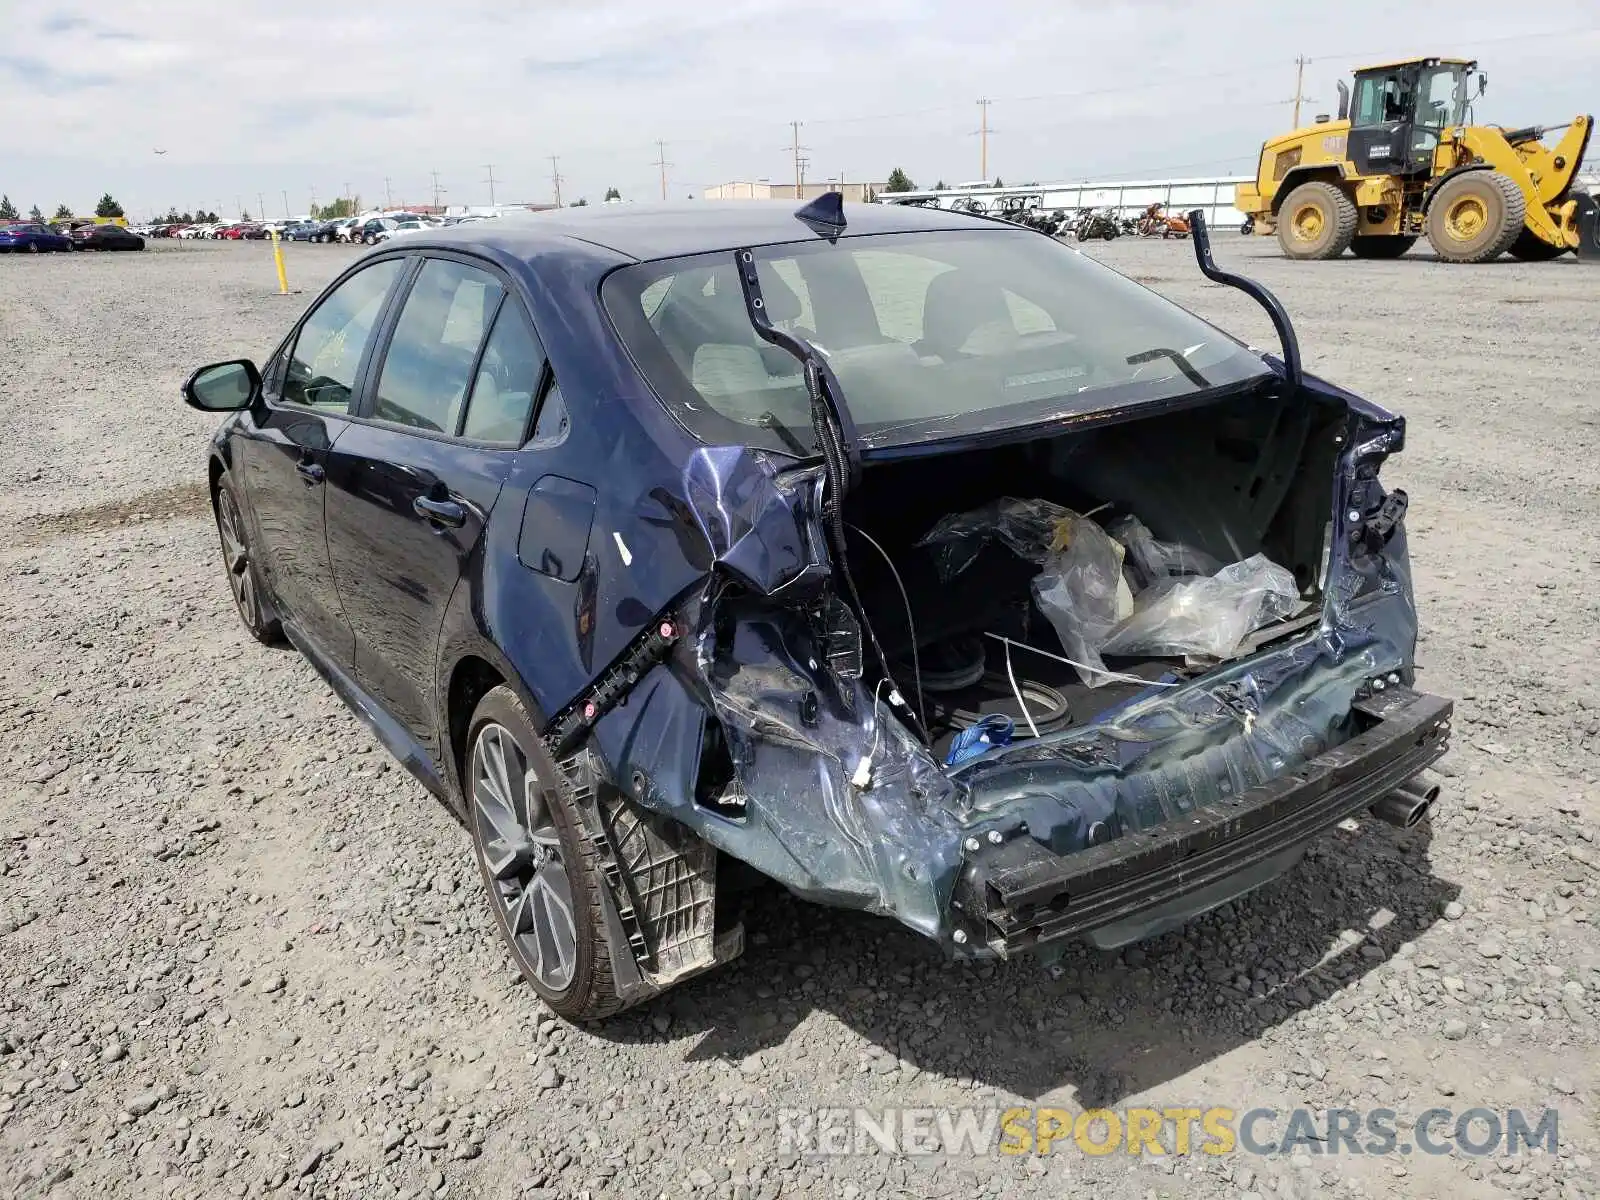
(1399, 111)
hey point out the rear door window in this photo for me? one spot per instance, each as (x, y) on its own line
(506, 381)
(429, 364)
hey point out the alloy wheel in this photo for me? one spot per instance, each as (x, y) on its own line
(236, 557)
(522, 856)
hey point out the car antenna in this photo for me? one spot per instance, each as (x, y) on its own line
(1275, 309)
(824, 215)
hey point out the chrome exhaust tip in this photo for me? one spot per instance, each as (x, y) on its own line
(1407, 804)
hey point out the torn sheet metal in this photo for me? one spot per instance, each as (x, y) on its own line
(797, 732)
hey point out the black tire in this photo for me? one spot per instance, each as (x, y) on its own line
(1530, 247)
(1247, 227)
(1316, 221)
(33, 247)
(371, 239)
(587, 990)
(1083, 233)
(244, 581)
(1476, 217)
(1381, 245)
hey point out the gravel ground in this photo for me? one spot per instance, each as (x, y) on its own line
(244, 953)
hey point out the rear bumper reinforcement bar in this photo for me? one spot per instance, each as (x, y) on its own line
(1025, 895)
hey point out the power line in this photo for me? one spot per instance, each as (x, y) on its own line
(489, 167)
(555, 177)
(437, 188)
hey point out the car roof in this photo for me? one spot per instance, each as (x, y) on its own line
(671, 230)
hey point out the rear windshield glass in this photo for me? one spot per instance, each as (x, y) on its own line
(930, 334)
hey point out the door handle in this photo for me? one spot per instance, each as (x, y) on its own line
(440, 512)
(311, 472)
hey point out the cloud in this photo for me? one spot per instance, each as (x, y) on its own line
(291, 95)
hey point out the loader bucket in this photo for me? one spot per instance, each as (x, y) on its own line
(1587, 219)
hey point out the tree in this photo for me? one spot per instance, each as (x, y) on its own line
(333, 211)
(108, 207)
(940, 186)
(997, 182)
(613, 194)
(580, 202)
(172, 217)
(244, 214)
(899, 181)
(35, 215)
(62, 211)
(8, 210)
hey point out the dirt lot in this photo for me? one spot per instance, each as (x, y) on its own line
(244, 953)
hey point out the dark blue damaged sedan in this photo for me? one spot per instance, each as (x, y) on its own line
(911, 559)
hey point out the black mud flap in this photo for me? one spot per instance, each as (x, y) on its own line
(1588, 221)
(1021, 895)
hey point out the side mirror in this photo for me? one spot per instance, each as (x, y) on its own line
(1344, 100)
(223, 387)
(1483, 82)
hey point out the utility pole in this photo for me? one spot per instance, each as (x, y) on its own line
(983, 139)
(350, 199)
(1299, 85)
(555, 177)
(489, 167)
(799, 163)
(388, 192)
(313, 202)
(662, 164)
(238, 206)
(261, 208)
(437, 189)
(285, 194)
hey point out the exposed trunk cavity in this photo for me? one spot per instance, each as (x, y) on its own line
(770, 733)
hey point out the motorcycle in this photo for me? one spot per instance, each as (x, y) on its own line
(1155, 223)
(1094, 222)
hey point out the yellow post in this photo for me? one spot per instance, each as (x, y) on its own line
(277, 257)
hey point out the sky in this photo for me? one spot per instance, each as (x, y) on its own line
(271, 103)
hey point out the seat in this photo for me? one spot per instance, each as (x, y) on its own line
(964, 315)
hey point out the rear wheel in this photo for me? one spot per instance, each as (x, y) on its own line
(542, 874)
(33, 247)
(1530, 247)
(1476, 217)
(1317, 221)
(1382, 245)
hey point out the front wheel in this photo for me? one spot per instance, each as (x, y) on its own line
(371, 239)
(1476, 217)
(542, 873)
(243, 580)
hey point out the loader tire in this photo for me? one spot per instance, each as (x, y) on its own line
(1317, 220)
(1476, 217)
(1530, 247)
(1382, 245)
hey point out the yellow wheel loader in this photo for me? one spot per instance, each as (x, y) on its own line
(1404, 160)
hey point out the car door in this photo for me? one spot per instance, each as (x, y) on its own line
(412, 483)
(305, 408)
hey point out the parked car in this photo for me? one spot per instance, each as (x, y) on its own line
(367, 231)
(303, 231)
(634, 577)
(31, 238)
(400, 227)
(344, 229)
(105, 237)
